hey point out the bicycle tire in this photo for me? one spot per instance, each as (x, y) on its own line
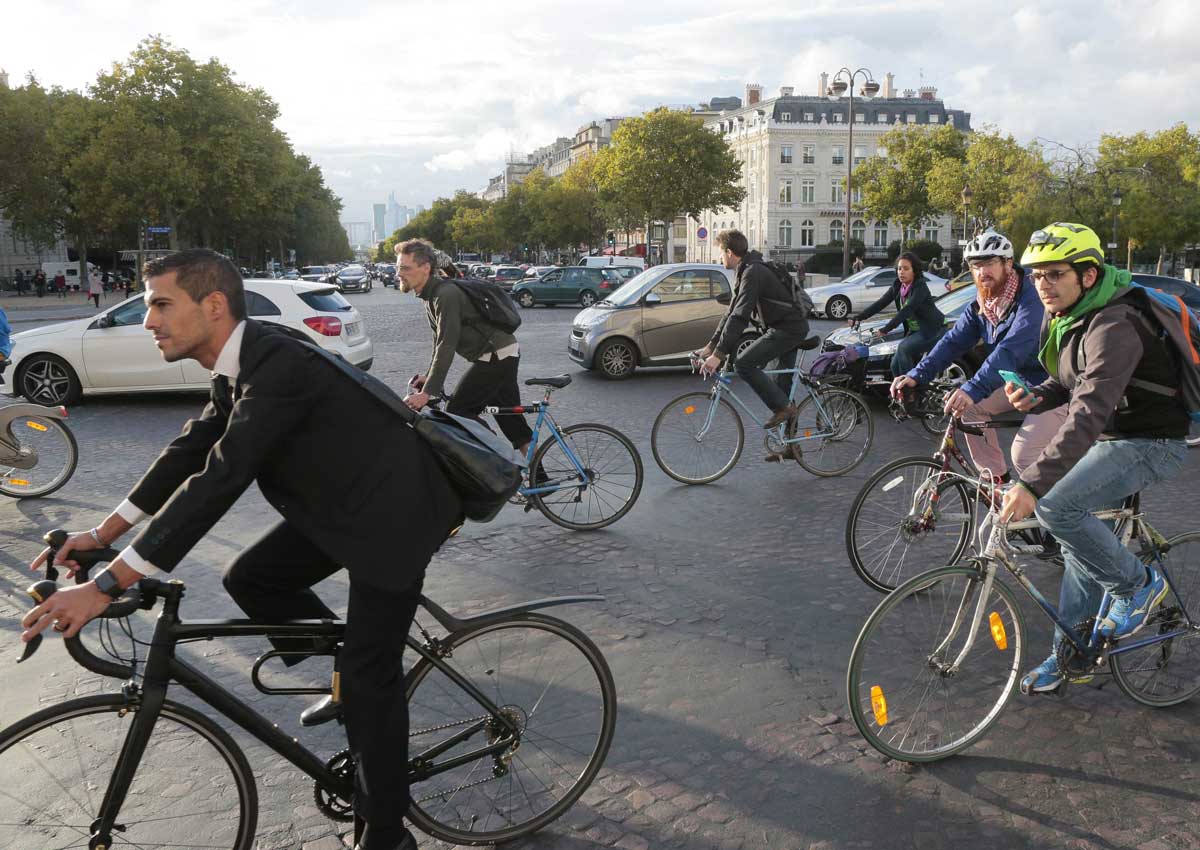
(1148, 674)
(925, 712)
(44, 803)
(616, 480)
(64, 471)
(510, 643)
(843, 414)
(678, 419)
(913, 536)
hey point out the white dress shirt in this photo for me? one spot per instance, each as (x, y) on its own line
(229, 364)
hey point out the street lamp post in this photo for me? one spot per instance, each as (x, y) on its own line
(967, 195)
(843, 81)
(1116, 204)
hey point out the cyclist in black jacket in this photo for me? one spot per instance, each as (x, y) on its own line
(759, 292)
(923, 321)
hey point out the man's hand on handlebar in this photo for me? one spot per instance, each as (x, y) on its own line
(68, 610)
(710, 365)
(896, 390)
(81, 541)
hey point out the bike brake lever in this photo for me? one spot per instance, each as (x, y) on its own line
(40, 592)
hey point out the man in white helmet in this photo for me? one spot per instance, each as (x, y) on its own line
(1006, 318)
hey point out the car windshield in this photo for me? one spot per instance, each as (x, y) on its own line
(952, 303)
(313, 270)
(633, 289)
(353, 270)
(859, 277)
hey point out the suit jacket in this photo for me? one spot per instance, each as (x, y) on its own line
(338, 465)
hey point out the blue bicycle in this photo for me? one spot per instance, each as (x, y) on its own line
(584, 476)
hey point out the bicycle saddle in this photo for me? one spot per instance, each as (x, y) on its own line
(558, 382)
(810, 343)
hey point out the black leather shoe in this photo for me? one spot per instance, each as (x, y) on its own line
(367, 843)
(321, 712)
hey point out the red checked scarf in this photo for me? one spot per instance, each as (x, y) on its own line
(997, 308)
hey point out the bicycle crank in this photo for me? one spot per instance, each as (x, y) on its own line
(332, 805)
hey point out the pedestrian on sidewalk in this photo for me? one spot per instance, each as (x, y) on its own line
(19, 280)
(39, 283)
(95, 288)
(60, 284)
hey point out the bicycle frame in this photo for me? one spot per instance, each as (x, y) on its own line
(724, 385)
(542, 409)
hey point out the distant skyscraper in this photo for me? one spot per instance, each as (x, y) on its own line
(379, 215)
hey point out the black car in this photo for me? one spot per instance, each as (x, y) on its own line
(352, 279)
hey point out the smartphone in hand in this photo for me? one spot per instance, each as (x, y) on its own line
(1014, 378)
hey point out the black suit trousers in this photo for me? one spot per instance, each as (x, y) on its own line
(492, 383)
(272, 580)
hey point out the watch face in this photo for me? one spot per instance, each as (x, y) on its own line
(106, 582)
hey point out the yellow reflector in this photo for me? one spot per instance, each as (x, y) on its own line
(18, 482)
(998, 633)
(879, 705)
(690, 409)
(37, 426)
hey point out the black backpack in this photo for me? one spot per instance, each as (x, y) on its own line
(801, 301)
(491, 302)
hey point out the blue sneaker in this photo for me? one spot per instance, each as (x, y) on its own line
(1044, 677)
(1127, 614)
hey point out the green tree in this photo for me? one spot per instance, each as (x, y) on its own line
(476, 228)
(895, 186)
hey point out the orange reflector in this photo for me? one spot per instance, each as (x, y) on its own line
(690, 409)
(37, 426)
(879, 705)
(18, 482)
(998, 633)
(808, 432)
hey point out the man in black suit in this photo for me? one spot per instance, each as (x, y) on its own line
(356, 489)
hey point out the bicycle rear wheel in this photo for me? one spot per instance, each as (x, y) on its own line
(908, 517)
(683, 453)
(192, 788)
(1167, 673)
(550, 679)
(902, 696)
(843, 431)
(614, 477)
(57, 454)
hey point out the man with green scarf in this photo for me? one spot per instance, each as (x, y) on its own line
(1124, 431)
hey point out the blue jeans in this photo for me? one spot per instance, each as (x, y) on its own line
(910, 351)
(1095, 559)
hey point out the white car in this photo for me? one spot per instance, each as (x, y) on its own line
(113, 353)
(860, 291)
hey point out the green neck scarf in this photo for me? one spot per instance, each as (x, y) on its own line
(1111, 282)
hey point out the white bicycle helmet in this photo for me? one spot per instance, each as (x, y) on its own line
(988, 244)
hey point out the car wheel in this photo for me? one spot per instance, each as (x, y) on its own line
(617, 359)
(745, 342)
(956, 373)
(587, 298)
(525, 298)
(837, 307)
(46, 379)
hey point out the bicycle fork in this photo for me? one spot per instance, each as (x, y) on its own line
(950, 670)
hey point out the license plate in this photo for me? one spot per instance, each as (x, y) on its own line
(573, 348)
(352, 329)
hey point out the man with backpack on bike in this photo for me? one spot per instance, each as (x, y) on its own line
(1114, 362)
(766, 293)
(459, 327)
(1005, 318)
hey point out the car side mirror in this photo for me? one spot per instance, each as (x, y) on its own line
(724, 297)
(104, 322)
(651, 299)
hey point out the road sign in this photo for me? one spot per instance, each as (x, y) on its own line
(702, 233)
(1112, 244)
(158, 230)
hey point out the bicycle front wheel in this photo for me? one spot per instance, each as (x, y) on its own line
(908, 517)
(545, 676)
(607, 488)
(841, 430)
(192, 788)
(57, 453)
(690, 446)
(909, 694)
(1167, 673)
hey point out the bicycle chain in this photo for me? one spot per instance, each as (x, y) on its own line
(451, 791)
(482, 717)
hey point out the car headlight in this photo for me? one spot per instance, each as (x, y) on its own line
(885, 349)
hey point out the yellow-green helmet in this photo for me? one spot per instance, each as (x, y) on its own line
(1063, 242)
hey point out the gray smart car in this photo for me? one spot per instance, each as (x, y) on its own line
(656, 319)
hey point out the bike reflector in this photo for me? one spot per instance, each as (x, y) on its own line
(690, 409)
(37, 426)
(879, 705)
(18, 482)
(998, 633)
(895, 482)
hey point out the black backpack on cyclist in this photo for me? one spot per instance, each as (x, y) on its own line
(801, 301)
(491, 302)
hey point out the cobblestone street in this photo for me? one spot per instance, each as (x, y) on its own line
(729, 617)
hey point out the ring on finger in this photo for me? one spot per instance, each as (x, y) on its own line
(60, 626)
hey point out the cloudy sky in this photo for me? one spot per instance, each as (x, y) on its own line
(421, 98)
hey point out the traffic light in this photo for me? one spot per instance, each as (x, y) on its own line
(612, 238)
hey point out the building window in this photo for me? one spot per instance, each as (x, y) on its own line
(881, 234)
(835, 230)
(910, 234)
(809, 154)
(836, 191)
(750, 236)
(839, 154)
(856, 195)
(931, 233)
(785, 154)
(807, 233)
(911, 118)
(934, 118)
(785, 233)
(785, 191)
(838, 117)
(785, 116)
(753, 156)
(860, 117)
(860, 154)
(808, 116)
(680, 229)
(881, 151)
(808, 191)
(883, 117)
(858, 230)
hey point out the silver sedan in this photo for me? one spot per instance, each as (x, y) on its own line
(861, 290)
